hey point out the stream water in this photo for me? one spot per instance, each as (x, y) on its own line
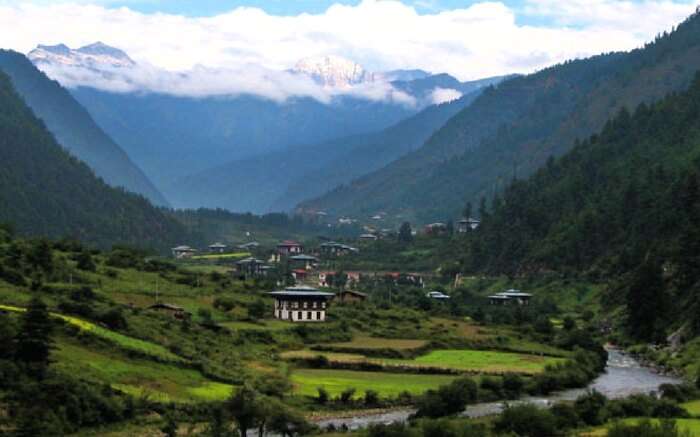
(623, 376)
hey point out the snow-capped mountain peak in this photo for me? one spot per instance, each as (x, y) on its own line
(333, 71)
(94, 55)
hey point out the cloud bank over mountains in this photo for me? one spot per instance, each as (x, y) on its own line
(248, 50)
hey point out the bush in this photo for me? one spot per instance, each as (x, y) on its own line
(565, 415)
(371, 398)
(347, 395)
(322, 396)
(591, 408)
(526, 421)
(114, 319)
(447, 399)
(513, 385)
(224, 303)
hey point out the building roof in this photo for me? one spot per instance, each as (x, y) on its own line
(353, 292)
(437, 295)
(250, 260)
(165, 306)
(218, 246)
(304, 258)
(301, 291)
(498, 297)
(251, 244)
(301, 271)
(184, 249)
(288, 243)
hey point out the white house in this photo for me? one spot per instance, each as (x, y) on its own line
(180, 252)
(301, 304)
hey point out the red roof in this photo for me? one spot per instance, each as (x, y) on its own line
(288, 243)
(300, 271)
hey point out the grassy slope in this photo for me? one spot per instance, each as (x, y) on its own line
(307, 381)
(139, 377)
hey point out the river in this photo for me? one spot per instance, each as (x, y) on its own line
(623, 376)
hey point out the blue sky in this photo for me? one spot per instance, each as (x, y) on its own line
(203, 8)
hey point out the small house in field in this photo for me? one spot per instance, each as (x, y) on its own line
(174, 311)
(332, 248)
(289, 247)
(217, 248)
(350, 296)
(435, 229)
(467, 224)
(181, 252)
(249, 246)
(511, 296)
(307, 262)
(368, 237)
(301, 304)
(250, 268)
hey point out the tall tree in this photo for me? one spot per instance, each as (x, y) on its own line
(34, 341)
(405, 233)
(646, 300)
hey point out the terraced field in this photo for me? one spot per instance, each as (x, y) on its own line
(307, 381)
(468, 361)
(139, 377)
(125, 342)
(365, 342)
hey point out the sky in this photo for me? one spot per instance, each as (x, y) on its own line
(469, 39)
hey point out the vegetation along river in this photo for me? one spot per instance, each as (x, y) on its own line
(623, 377)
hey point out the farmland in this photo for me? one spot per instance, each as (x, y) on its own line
(467, 361)
(139, 377)
(307, 381)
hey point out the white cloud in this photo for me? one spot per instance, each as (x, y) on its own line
(481, 40)
(444, 95)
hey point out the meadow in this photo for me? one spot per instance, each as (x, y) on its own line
(690, 426)
(307, 381)
(139, 377)
(467, 361)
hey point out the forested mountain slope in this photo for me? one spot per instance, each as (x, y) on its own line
(277, 181)
(44, 191)
(516, 126)
(622, 204)
(73, 127)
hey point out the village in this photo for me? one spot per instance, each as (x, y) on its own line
(310, 277)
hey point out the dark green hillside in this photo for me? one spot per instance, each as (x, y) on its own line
(45, 191)
(73, 127)
(624, 204)
(515, 127)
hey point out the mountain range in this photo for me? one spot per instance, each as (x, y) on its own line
(207, 138)
(45, 191)
(74, 128)
(512, 129)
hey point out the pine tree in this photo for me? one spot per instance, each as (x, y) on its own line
(405, 233)
(646, 300)
(34, 341)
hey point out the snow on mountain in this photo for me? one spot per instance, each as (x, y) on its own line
(94, 56)
(334, 71)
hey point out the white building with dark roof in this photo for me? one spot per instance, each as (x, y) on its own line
(301, 304)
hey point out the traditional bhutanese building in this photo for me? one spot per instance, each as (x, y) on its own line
(301, 304)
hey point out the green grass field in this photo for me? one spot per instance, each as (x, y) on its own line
(473, 361)
(691, 426)
(693, 408)
(140, 377)
(365, 342)
(484, 361)
(307, 381)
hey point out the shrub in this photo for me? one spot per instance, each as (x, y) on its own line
(347, 395)
(513, 385)
(322, 396)
(371, 398)
(526, 421)
(591, 408)
(447, 399)
(114, 319)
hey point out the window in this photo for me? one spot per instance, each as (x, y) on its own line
(323, 305)
(299, 315)
(306, 304)
(314, 304)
